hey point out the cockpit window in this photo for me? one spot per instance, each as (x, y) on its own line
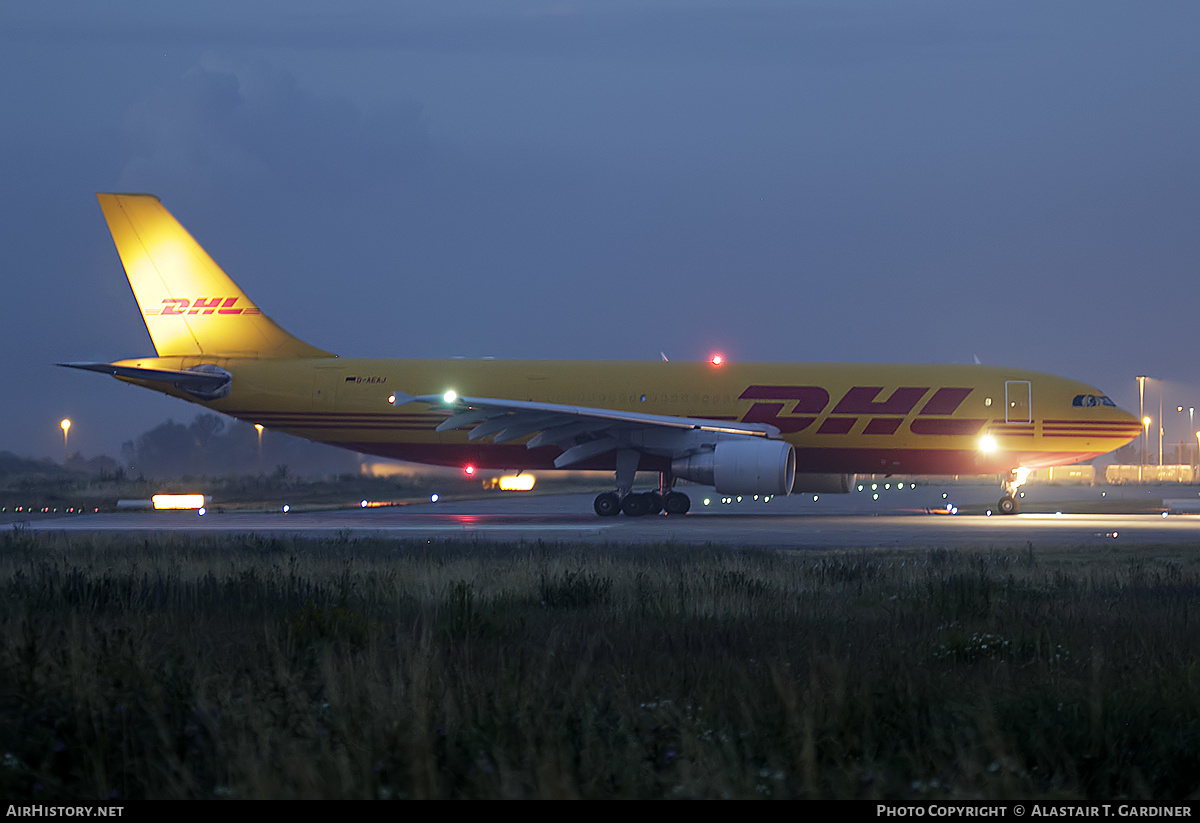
(1088, 400)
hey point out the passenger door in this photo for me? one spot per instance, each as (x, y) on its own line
(1018, 401)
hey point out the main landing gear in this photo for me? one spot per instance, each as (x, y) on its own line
(638, 504)
(643, 503)
(1010, 503)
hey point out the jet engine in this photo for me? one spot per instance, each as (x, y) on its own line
(743, 466)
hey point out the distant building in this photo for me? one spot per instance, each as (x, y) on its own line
(1120, 475)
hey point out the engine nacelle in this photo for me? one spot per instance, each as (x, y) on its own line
(749, 466)
(824, 483)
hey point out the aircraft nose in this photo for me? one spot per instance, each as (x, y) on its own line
(1130, 424)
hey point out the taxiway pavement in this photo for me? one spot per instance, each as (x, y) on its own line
(915, 518)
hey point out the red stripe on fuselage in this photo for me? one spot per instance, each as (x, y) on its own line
(944, 427)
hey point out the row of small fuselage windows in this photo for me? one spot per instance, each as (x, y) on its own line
(1088, 400)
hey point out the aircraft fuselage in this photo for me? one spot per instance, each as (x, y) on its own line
(839, 417)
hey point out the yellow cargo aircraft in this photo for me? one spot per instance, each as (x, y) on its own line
(745, 428)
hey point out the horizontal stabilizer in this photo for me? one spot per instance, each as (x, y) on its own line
(206, 382)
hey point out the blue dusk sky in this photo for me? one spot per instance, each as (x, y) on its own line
(847, 181)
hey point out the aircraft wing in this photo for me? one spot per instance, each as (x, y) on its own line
(580, 431)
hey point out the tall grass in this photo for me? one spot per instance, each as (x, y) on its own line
(288, 668)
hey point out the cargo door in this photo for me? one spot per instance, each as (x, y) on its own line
(325, 388)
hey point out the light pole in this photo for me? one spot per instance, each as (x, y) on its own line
(1180, 410)
(1142, 414)
(66, 426)
(1145, 437)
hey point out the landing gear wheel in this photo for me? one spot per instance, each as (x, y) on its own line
(1008, 505)
(677, 503)
(636, 505)
(607, 504)
(656, 503)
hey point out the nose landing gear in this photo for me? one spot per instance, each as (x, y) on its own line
(1010, 503)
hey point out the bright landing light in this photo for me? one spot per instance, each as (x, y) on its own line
(516, 483)
(450, 396)
(178, 501)
(988, 444)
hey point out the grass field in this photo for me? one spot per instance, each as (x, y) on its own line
(281, 668)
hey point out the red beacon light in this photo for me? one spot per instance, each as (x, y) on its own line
(717, 360)
(469, 469)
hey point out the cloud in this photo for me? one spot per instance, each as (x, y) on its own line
(230, 124)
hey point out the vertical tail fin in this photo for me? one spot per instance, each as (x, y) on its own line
(190, 305)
